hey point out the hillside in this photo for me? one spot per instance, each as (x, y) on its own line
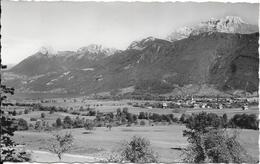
(222, 61)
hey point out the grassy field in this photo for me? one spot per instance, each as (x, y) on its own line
(163, 139)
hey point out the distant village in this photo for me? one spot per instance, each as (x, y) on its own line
(165, 102)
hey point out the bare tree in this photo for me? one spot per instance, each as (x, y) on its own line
(61, 144)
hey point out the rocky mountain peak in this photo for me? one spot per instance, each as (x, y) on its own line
(229, 24)
(141, 44)
(233, 19)
(47, 50)
(97, 49)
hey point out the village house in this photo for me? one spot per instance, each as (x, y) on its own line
(164, 105)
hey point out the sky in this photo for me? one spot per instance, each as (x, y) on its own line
(27, 26)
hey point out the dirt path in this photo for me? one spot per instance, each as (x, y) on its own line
(44, 156)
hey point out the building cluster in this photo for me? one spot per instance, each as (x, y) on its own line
(202, 102)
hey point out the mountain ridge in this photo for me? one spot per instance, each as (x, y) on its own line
(224, 61)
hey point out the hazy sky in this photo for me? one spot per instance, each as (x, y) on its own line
(27, 26)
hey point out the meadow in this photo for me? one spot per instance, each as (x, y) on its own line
(165, 140)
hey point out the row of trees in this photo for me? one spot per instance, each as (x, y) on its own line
(243, 121)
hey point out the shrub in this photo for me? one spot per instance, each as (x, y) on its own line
(111, 158)
(138, 150)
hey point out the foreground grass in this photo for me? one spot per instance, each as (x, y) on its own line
(164, 140)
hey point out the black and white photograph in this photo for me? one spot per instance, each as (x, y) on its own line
(129, 81)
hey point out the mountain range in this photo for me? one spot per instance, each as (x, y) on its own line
(216, 56)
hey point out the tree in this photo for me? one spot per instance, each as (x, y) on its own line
(14, 113)
(8, 150)
(134, 117)
(92, 112)
(211, 144)
(22, 124)
(118, 112)
(67, 122)
(138, 150)
(58, 122)
(215, 146)
(38, 125)
(129, 117)
(225, 120)
(201, 122)
(81, 108)
(78, 123)
(26, 111)
(141, 115)
(51, 111)
(125, 110)
(42, 115)
(61, 144)
(244, 121)
(89, 125)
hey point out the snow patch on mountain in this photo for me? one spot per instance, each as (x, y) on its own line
(97, 49)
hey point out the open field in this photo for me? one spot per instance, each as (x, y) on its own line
(162, 138)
